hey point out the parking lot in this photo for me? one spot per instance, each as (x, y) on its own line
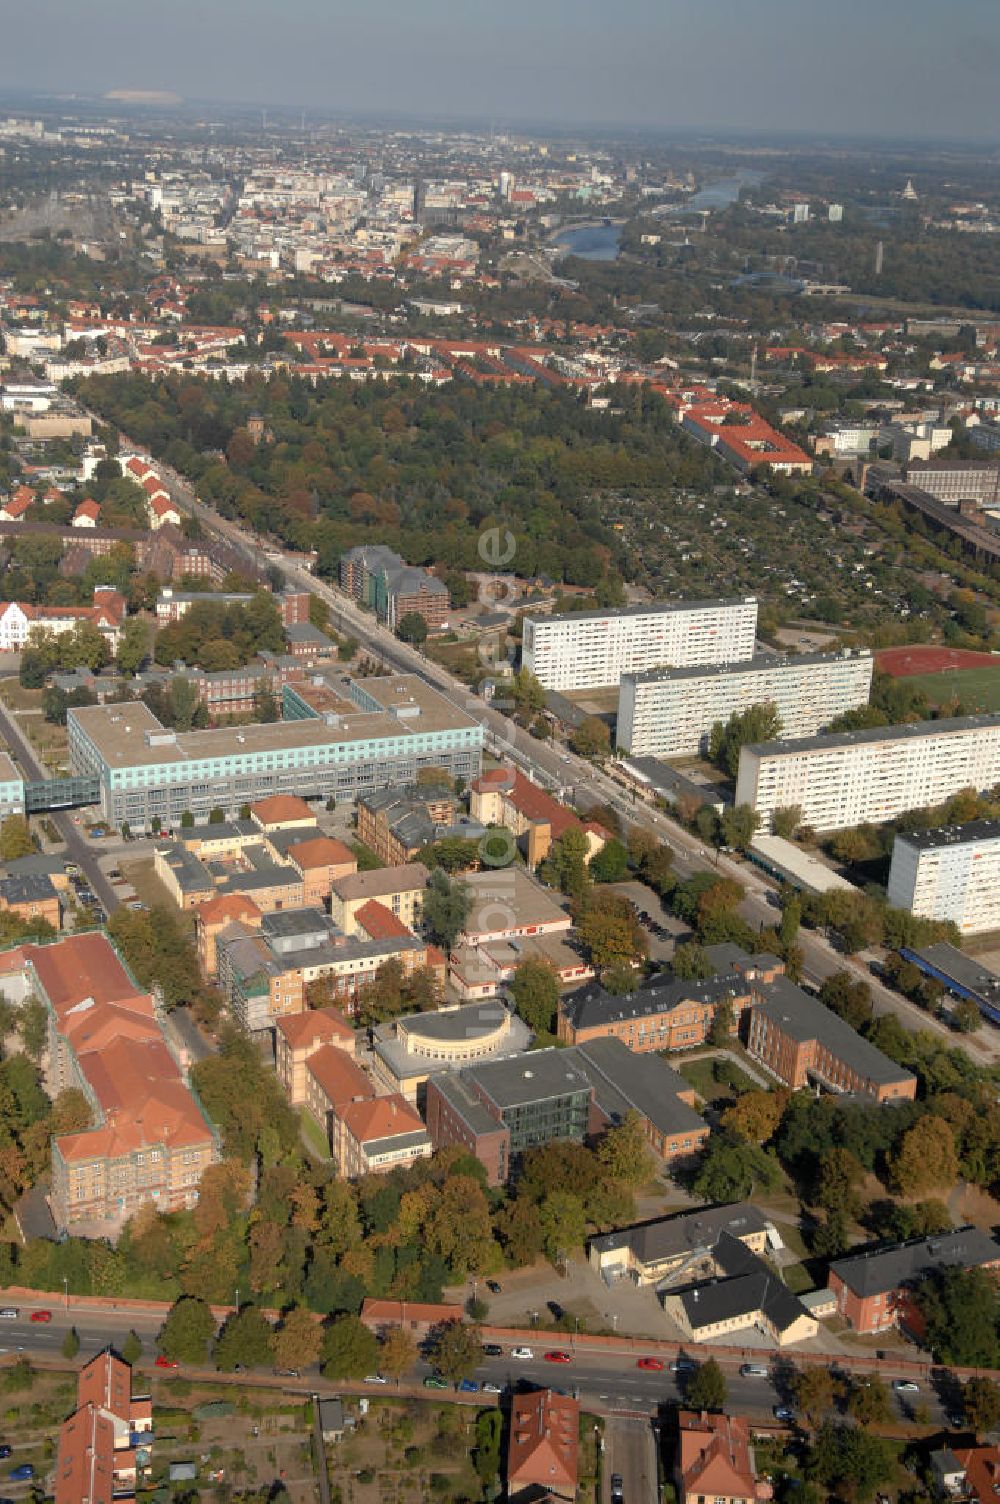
(662, 927)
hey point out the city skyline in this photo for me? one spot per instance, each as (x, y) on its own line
(772, 68)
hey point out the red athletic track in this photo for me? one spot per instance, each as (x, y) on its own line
(901, 663)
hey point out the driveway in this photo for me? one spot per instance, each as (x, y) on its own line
(630, 1451)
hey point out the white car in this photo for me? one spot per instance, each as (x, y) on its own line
(905, 1386)
(376, 1378)
(490, 1388)
(524, 1353)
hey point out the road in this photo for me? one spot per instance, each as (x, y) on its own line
(562, 772)
(630, 1451)
(78, 850)
(606, 1380)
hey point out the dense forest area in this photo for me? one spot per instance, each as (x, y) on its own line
(423, 471)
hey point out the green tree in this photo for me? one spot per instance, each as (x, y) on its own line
(691, 962)
(132, 1348)
(758, 723)
(609, 930)
(925, 1159)
(739, 826)
(786, 821)
(412, 629)
(563, 1223)
(981, 1404)
(349, 1349)
(447, 906)
(297, 1341)
(591, 738)
(33, 1027)
(528, 694)
(849, 1460)
(188, 1331)
(15, 839)
(624, 1152)
(133, 645)
(706, 1389)
(71, 1343)
(814, 1389)
(610, 864)
(565, 866)
(535, 990)
(397, 1353)
(456, 1350)
(961, 1312)
(732, 1169)
(245, 1341)
(868, 1401)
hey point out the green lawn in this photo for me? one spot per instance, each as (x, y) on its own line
(977, 688)
(701, 1075)
(313, 1134)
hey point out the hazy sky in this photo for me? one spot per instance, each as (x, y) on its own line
(887, 67)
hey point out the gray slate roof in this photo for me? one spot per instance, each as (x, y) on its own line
(881, 1270)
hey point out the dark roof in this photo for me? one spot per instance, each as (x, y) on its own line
(533, 1077)
(746, 1285)
(678, 1236)
(28, 887)
(910, 731)
(648, 609)
(803, 1018)
(463, 1100)
(761, 663)
(593, 1008)
(468, 1021)
(949, 962)
(951, 835)
(623, 1080)
(883, 1269)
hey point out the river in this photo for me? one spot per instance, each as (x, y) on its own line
(591, 242)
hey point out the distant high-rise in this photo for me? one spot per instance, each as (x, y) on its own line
(878, 259)
(800, 214)
(506, 186)
(909, 192)
(835, 213)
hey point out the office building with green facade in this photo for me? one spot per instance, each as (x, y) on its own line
(389, 730)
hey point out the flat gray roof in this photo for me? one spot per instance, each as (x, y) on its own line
(623, 1081)
(912, 731)
(529, 1078)
(950, 835)
(652, 607)
(760, 663)
(122, 733)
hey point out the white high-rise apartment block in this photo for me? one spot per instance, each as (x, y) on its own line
(949, 873)
(670, 712)
(854, 777)
(585, 649)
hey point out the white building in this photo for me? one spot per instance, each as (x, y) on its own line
(855, 777)
(584, 649)
(949, 873)
(670, 712)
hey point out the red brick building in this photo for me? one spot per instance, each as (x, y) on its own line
(874, 1290)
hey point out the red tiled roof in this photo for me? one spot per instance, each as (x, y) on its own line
(380, 923)
(321, 851)
(340, 1080)
(226, 906)
(380, 1117)
(315, 1026)
(544, 1442)
(279, 808)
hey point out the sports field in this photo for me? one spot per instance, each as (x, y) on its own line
(928, 658)
(976, 688)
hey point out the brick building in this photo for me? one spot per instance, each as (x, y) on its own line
(503, 796)
(543, 1446)
(874, 1290)
(107, 1440)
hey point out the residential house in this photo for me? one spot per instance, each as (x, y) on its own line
(543, 1446)
(298, 1036)
(503, 796)
(108, 1439)
(399, 889)
(715, 1460)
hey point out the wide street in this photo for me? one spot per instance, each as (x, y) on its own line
(606, 1380)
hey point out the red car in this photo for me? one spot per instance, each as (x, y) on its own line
(162, 1362)
(41, 1315)
(655, 1364)
(558, 1357)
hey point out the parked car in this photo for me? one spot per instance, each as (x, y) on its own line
(22, 1472)
(494, 1286)
(376, 1378)
(655, 1365)
(41, 1315)
(469, 1386)
(905, 1386)
(162, 1362)
(492, 1349)
(490, 1388)
(617, 1489)
(432, 1381)
(557, 1356)
(8, 1313)
(784, 1413)
(683, 1365)
(523, 1354)
(5, 1450)
(753, 1371)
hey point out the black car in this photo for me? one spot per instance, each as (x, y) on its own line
(4, 1451)
(494, 1286)
(617, 1489)
(492, 1350)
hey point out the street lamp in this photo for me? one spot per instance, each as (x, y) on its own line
(237, 1300)
(66, 1291)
